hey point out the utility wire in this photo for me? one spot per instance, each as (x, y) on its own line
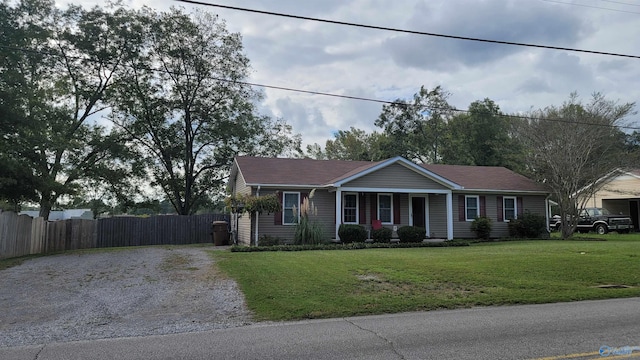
(398, 102)
(336, 22)
(593, 7)
(620, 2)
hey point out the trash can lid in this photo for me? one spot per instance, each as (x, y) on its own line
(219, 222)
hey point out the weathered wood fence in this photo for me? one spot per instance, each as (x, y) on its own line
(23, 235)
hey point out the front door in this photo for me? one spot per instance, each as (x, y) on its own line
(418, 210)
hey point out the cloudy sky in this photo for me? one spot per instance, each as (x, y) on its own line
(388, 65)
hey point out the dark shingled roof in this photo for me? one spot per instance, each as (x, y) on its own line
(485, 177)
(257, 170)
(280, 171)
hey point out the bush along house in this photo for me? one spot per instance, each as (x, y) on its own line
(442, 199)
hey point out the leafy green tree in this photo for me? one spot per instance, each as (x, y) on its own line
(632, 148)
(482, 136)
(183, 104)
(314, 151)
(356, 144)
(416, 130)
(571, 147)
(57, 66)
(19, 70)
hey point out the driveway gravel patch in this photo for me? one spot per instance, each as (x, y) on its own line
(116, 293)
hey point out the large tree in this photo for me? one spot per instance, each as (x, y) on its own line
(186, 109)
(416, 129)
(571, 148)
(57, 66)
(352, 144)
(482, 136)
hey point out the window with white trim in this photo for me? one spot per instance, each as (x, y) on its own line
(350, 208)
(509, 208)
(385, 208)
(472, 207)
(290, 208)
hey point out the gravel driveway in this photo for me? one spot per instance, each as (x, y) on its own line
(116, 293)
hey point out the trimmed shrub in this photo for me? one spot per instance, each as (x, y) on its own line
(528, 225)
(352, 233)
(411, 234)
(382, 235)
(482, 226)
(268, 240)
(351, 246)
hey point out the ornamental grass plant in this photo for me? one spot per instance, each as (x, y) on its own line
(308, 229)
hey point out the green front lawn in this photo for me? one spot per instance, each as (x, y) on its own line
(324, 284)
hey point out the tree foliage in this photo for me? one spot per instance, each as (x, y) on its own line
(56, 68)
(416, 129)
(482, 136)
(428, 130)
(573, 147)
(169, 80)
(192, 115)
(352, 144)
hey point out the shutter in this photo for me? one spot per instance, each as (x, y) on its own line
(277, 217)
(396, 208)
(374, 206)
(461, 206)
(362, 211)
(483, 206)
(520, 206)
(499, 206)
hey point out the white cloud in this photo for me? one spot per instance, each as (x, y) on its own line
(387, 65)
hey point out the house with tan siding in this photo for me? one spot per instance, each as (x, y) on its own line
(442, 199)
(620, 194)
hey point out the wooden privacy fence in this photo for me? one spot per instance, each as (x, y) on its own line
(23, 235)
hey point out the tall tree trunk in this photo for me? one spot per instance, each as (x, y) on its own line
(45, 206)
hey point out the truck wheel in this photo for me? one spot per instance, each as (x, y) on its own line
(601, 229)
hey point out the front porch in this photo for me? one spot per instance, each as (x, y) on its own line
(393, 208)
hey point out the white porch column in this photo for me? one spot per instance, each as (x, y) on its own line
(338, 211)
(449, 216)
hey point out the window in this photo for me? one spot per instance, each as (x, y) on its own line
(290, 207)
(472, 207)
(385, 208)
(350, 208)
(510, 208)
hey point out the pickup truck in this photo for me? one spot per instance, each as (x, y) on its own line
(598, 220)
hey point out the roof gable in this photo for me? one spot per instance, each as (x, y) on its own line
(396, 160)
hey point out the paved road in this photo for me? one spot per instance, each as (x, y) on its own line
(552, 331)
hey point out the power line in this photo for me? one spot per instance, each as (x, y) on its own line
(593, 7)
(620, 2)
(349, 97)
(414, 32)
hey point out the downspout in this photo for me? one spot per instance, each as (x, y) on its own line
(257, 216)
(547, 213)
